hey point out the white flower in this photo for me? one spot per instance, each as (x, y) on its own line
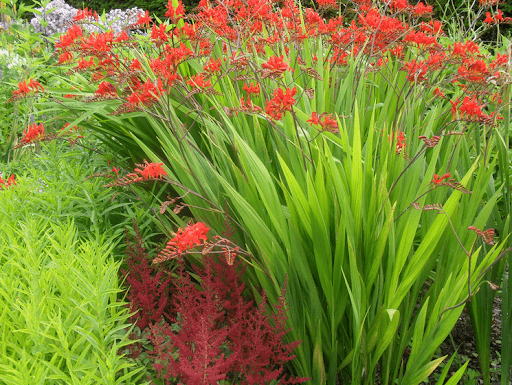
(11, 59)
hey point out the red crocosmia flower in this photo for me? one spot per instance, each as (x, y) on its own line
(496, 98)
(190, 236)
(7, 183)
(454, 104)
(24, 89)
(437, 180)
(280, 103)
(416, 70)
(500, 60)
(152, 171)
(135, 65)
(470, 107)
(106, 88)
(68, 130)
(252, 89)
(398, 5)
(33, 132)
(98, 44)
(213, 66)
(248, 106)
(83, 64)
(35, 85)
(276, 64)
(143, 19)
(400, 141)
(421, 10)
(175, 14)
(198, 81)
(327, 124)
(315, 120)
(438, 92)
(327, 3)
(146, 93)
(85, 14)
(66, 40)
(158, 34)
(499, 16)
(123, 36)
(65, 57)
(488, 18)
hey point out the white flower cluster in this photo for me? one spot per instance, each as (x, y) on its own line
(59, 15)
(11, 60)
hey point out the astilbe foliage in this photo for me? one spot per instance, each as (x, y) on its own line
(148, 291)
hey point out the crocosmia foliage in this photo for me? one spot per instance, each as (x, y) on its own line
(354, 157)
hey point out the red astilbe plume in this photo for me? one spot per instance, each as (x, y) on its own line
(200, 340)
(149, 287)
(258, 342)
(219, 331)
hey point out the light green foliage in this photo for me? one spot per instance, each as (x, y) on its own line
(61, 320)
(61, 303)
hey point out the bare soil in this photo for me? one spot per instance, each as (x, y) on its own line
(463, 341)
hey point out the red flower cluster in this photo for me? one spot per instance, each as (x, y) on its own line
(190, 236)
(327, 124)
(151, 171)
(106, 88)
(252, 89)
(33, 132)
(213, 66)
(276, 65)
(7, 183)
(24, 89)
(198, 81)
(144, 19)
(159, 35)
(437, 180)
(470, 107)
(248, 107)
(68, 39)
(416, 71)
(400, 141)
(282, 102)
(67, 130)
(498, 18)
(86, 15)
(175, 14)
(146, 93)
